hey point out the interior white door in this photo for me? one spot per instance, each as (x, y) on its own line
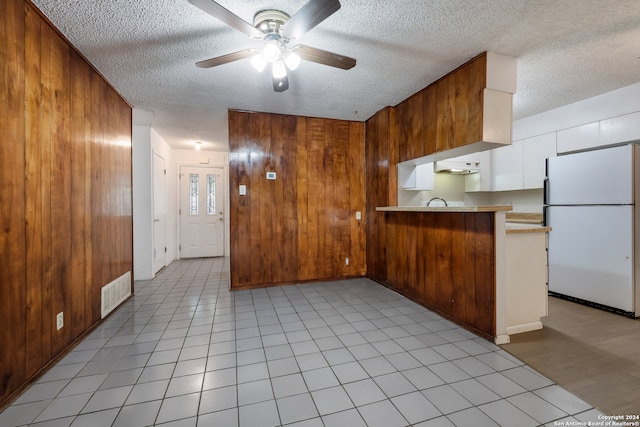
(159, 214)
(201, 212)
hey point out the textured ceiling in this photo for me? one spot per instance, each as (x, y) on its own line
(567, 50)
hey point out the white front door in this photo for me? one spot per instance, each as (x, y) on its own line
(159, 215)
(201, 213)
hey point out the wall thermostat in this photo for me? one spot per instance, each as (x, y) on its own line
(271, 175)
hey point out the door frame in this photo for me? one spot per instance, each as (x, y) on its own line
(155, 154)
(225, 199)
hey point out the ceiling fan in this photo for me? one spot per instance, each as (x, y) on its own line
(276, 29)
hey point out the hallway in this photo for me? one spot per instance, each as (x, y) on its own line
(184, 351)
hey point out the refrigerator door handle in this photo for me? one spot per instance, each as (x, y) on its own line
(546, 191)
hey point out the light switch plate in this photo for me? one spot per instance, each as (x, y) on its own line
(242, 190)
(358, 215)
(271, 175)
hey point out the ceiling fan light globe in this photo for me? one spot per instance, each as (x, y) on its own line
(278, 69)
(271, 52)
(259, 62)
(291, 60)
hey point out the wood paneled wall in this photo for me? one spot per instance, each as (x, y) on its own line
(446, 114)
(382, 186)
(445, 261)
(65, 193)
(300, 226)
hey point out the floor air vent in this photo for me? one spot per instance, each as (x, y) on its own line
(115, 292)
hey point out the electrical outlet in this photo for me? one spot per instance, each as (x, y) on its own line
(59, 320)
(346, 261)
(358, 215)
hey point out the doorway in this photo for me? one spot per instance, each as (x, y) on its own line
(201, 211)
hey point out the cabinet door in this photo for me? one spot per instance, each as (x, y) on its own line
(506, 164)
(579, 138)
(480, 181)
(534, 152)
(417, 178)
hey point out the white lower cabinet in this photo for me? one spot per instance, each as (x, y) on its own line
(526, 281)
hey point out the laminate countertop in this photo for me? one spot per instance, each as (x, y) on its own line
(516, 227)
(444, 208)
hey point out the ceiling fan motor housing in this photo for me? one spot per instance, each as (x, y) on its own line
(270, 21)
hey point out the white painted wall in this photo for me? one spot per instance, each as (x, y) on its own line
(142, 203)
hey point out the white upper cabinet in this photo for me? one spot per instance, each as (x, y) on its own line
(579, 138)
(415, 177)
(480, 181)
(521, 166)
(620, 129)
(506, 163)
(604, 133)
(534, 152)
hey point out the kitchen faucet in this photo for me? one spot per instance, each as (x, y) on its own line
(437, 198)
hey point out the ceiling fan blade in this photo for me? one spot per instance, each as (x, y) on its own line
(281, 84)
(308, 17)
(228, 17)
(224, 59)
(324, 57)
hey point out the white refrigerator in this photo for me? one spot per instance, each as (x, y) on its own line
(589, 202)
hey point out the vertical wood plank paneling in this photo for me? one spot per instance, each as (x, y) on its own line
(55, 219)
(377, 151)
(430, 120)
(392, 156)
(289, 238)
(342, 198)
(267, 195)
(477, 83)
(302, 187)
(88, 142)
(470, 269)
(237, 234)
(326, 210)
(77, 277)
(461, 77)
(98, 157)
(403, 130)
(258, 272)
(445, 117)
(46, 146)
(459, 255)
(358, 237)
(416, 106)
(60, 187)
(485, 272)
(446, 262)
(12, 206)
(33, 198)
(316, 198)
(300, 224)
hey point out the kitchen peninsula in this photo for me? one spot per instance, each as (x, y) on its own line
(455, 261)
